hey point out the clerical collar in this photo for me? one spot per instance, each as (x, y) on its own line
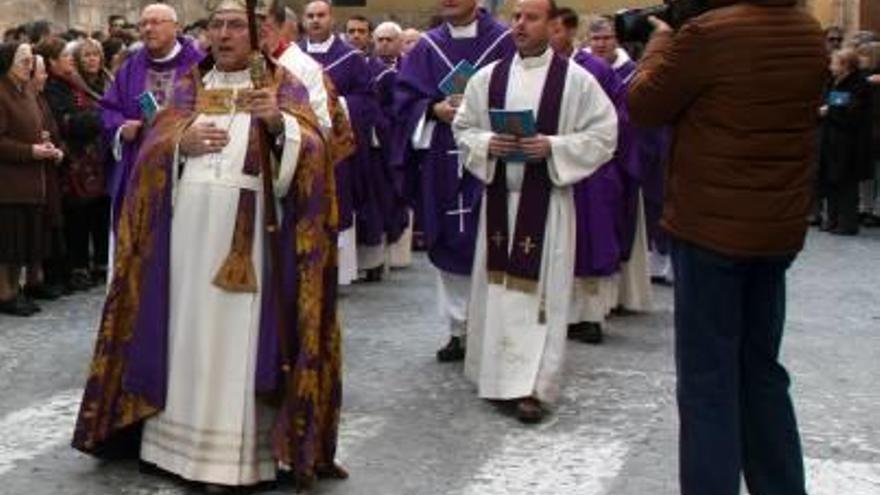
(466, 31)
(167, 58)
(621, 58)
(534, 62)
(322, 47)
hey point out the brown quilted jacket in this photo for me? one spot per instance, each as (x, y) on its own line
(741, 84)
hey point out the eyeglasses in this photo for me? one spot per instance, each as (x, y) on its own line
(231, 25)
(152, 22)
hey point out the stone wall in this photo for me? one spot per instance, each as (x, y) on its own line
(92, 14)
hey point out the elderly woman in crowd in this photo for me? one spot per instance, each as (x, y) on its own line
(845, 151)
(25, 149)
(77, 79)
(53, 266)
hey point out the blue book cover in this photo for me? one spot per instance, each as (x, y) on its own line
(519, 123)
(838, 98)
(457, 79)
(149, 106)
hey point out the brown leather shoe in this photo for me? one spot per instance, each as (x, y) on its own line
(529, 411)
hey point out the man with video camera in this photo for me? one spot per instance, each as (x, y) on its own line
(740, 83)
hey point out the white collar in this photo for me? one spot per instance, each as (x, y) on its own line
(621, 59)
(173, 53)
(534, 62)
(322, 47)
(466, 31)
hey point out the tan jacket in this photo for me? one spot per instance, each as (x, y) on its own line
(741, 84)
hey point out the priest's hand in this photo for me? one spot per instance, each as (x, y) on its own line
(501, 145)
(444, 110)
(203, 139)
(130, 130)
(536, 147)
(264, 106)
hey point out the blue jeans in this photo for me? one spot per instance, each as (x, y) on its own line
(735, 412)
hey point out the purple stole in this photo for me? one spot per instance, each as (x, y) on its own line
(519, 264)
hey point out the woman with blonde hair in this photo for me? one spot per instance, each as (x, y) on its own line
(77, 80)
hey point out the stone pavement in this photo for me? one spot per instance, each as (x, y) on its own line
(412, 426)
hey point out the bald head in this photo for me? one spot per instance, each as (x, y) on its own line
(319, 20)
(531, 26)
(410, 37)
(161, 10)
(158, 28)
(388, 41)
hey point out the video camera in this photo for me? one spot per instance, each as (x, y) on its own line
(632, 25)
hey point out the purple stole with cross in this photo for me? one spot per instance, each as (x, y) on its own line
(518, 264)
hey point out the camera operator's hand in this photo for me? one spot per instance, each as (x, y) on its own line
(660, 25)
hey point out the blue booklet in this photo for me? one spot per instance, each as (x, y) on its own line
(457, 79)
(519, 123)
(149, 106)
(838, 98)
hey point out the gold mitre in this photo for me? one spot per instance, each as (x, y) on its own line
(215, 6)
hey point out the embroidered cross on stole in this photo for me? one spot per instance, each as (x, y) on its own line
(517, 264)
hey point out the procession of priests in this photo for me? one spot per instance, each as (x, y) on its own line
(286, 163)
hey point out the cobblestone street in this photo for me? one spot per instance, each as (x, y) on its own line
(413, 426)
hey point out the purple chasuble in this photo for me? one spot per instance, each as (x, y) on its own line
(599, 198)
(521, 259)
(648, 173)
(120, 103)
(348, 70)
(450, 196)
(395, 211)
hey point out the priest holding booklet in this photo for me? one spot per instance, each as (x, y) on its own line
(524, 263)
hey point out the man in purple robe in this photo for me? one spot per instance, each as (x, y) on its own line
(361, 222)
(150, 74)
(450, 195)
(634, 288)
(598, 199)
(384, 65)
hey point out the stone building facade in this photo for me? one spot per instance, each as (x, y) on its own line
(92, 14)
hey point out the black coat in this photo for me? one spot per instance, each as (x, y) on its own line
(846, 132)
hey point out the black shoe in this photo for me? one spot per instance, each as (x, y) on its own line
(663, 281)
(99, 275)
(80, 281)
(842, 231)
(871, 221)
(43, 292)
(453, 351)
(374, 274)
(17, 306)
(586, 332)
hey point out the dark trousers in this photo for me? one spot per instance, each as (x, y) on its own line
(87, 228)
(843, 205)
(735, 412)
